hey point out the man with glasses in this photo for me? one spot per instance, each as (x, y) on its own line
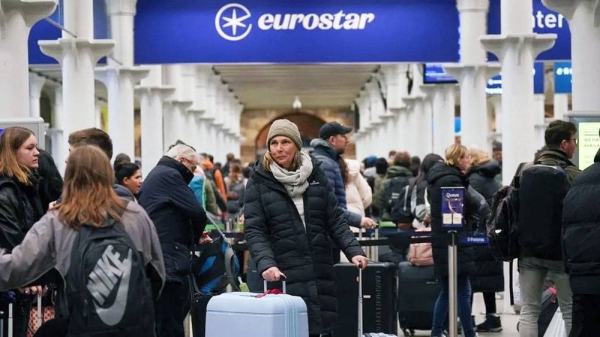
(543, 188)
(180, 222)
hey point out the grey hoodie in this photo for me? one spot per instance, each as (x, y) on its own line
(48, 245)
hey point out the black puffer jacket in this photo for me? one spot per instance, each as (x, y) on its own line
(277, 237)
(176, 213)
(489, 273)
(439, 176)
(581, 231)
(20, 208)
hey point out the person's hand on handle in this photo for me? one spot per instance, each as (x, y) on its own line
(360, 261)
(205, 238)
(272, 274)
(368, 223)
(34, 290)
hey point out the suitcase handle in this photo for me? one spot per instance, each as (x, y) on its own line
(360, 301)
(283, 278)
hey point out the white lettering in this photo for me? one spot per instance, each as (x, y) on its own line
(366, 18)
(296, 18)
(326, 21)
(352, 21)
(538, 20)
(550, 21)
(278, 24)
(265, 22)
(561, 19)
(337, 21)
(311, 21)
(452, 195)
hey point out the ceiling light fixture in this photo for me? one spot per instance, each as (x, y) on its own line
(297, 105)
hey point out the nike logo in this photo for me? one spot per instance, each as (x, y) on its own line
(313, 183)
(108, 283)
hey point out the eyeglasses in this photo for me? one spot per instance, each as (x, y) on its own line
(575, 141)
(194, 166)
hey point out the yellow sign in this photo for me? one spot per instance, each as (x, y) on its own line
(588, 143)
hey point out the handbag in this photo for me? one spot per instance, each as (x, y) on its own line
(38, 315)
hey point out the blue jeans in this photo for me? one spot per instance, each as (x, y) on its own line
(440, 311)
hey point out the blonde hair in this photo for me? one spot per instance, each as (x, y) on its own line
(11, 140)
(455, 152)
(478, 156)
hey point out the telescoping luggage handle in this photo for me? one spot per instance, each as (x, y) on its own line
(282, 282)
(360, 301)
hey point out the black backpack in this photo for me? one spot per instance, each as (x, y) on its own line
(402, 210)
(502, 226)
(392, 191)
(543, 189)
(107, 291)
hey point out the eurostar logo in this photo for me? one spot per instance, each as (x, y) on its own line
(229, 22)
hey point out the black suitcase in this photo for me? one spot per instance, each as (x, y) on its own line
(418, 289)
(379, 298)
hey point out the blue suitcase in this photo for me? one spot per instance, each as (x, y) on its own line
(245, 314)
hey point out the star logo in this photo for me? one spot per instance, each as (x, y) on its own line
(229, 22)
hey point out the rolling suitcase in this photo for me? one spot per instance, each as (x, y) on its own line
(418, 289)
(379, 298)
(256, 315)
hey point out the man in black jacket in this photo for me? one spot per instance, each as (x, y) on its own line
(540, 229)
(581, 238)
(180, 222)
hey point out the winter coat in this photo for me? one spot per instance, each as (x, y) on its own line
(358, 192)
(482, 179)
(581, 231)
(489, 273)
(442, 175)
(326, 154)
(20, 208)
(176, 213)
(277, 237)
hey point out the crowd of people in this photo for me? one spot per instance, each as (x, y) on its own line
(299, 209)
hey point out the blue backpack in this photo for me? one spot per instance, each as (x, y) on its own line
(216, 267)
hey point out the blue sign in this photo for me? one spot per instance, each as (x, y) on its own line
(494, 86)
(452, 206)
(456, 124)
(563, 78)
(44, 30)
(434, 73)
(545, 21)
(473, 240)
(291, 31)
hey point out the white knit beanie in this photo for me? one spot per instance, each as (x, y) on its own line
(283, 127)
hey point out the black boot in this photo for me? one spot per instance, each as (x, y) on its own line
(491, 324)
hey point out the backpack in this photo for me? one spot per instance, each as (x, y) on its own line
(543, 189)
(502, 226)
(392, 191)
(107, 291)
(216, 267)
(402, 210)
(421, 254)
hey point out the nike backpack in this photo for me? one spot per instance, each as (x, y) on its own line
(107, 291)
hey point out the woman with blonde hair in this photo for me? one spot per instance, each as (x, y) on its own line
(291, 218)
(20, 206)
(451, 174)
(489, 273)
(88, 200)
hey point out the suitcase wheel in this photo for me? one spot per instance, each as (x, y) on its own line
(408, 332)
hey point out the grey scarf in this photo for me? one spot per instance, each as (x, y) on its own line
(295, 182)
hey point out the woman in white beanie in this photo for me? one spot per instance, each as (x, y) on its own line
(290, 214)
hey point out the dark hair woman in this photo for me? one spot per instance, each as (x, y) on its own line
(20, 205)
(129, 175)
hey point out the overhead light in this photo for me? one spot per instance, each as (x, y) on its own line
(297, 105)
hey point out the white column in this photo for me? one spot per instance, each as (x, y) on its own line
(583, 17)
(16, 19)
(561, 105)
(179, 120)
(167, 124)
(121, 14)
(97, 114)
(203, 74)
(377, 109)
(151, 110)
(516, 48)
(403, 129)
(78, 57)
(442, 106)
(36, 83)
(365, 126)
(539, 120)
(420, 127)
(239, 109)
(58, 142)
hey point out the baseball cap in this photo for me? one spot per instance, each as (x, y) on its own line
(333, 129)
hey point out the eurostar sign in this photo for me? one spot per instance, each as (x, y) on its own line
(291, 31)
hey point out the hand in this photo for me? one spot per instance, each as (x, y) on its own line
(205, 238)
(368, 223)
(360, 261)
(272, 274)
(33, 290)
(52, 205)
